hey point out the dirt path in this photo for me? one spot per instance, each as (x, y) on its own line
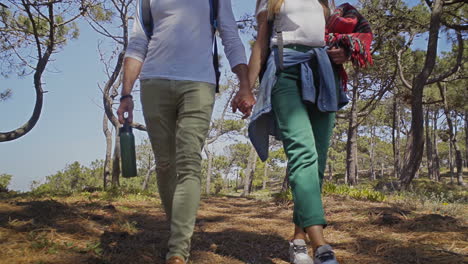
(229, 230)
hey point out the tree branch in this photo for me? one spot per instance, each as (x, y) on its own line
(400, 67)
(457, 65)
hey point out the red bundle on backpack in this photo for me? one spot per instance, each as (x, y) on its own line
(348, 29)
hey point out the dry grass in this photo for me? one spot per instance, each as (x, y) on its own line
(229, 230)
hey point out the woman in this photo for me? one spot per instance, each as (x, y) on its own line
(299, 94)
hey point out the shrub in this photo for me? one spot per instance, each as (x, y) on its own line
(357, 193)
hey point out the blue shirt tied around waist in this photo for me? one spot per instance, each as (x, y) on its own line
(263, 122)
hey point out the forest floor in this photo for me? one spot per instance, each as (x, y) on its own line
(97, 229)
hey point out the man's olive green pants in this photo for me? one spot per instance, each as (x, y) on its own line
(177, 116)
(305, 132)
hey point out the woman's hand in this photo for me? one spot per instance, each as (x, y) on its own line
(244, 101)
(338, 55)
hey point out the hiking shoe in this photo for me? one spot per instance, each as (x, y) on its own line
(325, 255)
(298, 252)
(175, 260)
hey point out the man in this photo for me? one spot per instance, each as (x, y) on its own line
(177, 77)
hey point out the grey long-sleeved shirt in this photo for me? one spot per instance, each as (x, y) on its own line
(181, 45)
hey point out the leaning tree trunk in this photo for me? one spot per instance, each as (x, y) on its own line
(415, 144)
(436, 148)
(110, 89)
(351, 145)
(429, 155)
(396, 137)
(107, 161)
(43, 60)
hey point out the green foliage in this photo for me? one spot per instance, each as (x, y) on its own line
(439, 192)
(356, 193)
(283, 197)
(5, 180)
(240, 153)
(25, 37)
(101, 13)
(74, 178)
(229, 125)
(145, 157)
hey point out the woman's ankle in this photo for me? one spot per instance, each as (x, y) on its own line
(299, 233)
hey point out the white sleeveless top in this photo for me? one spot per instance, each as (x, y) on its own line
(301, 21)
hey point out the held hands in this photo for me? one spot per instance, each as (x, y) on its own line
(244, 101)
(126, 106)
(337, 55)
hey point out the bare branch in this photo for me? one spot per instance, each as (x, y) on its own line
(452, 2)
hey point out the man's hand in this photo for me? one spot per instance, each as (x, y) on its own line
(244, 101)
(126, 106)
(337, 55)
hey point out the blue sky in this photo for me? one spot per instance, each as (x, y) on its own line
(70, 127)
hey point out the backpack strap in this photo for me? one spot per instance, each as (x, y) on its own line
(214, 8)
(146, 17)
(280, 42)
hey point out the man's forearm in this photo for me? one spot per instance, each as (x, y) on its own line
(132, 68)
(242, 72)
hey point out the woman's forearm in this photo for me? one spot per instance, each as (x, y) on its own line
(259, 49)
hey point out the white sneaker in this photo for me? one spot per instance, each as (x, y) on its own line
(325, 255)
(298, 252)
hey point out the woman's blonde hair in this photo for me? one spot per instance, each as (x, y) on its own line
(274, 7)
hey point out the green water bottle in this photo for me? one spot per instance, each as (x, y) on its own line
(127, 151)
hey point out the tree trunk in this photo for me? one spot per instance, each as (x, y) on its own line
(450, 162)
(429, 155)
(285, 185)
(415, 144)
(249, 171)
(453, 139)
(252, 174)
(107, 160)
(382, 170)
(459, 164)
(396, 137)
(458, 154)
(330, 172)
(43, 59)
(372, 153)
(147, 178)
(209, 155)
(351, 146)
(436, 148)
(466, 138)
(237, 180)
(116, 161)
